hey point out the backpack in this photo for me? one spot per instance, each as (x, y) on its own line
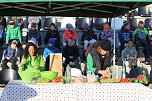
(134, 72)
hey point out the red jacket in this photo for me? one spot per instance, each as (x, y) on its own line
(70, 34)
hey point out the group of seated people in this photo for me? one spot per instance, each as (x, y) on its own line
(97, 53)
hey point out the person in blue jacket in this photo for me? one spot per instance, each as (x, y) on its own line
(50, 48)
(125, 34)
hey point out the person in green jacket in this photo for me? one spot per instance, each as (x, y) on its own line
(31, 60)
(140, 35)
(13, 32)
(99, 58)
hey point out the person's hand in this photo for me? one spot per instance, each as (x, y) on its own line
(16, 49)
(104, 72)
(23, 61)
(71, 57)
(8, 58)
(7, 43)
(36, 67)
(21, 43)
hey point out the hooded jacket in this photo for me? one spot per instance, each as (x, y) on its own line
(124, 34)
(71, 51)
(13, 33)
(106, 35)
(52, 34)
(129, 52)
(49, 49)
(31, 62)
(33, 33)
(141, 32)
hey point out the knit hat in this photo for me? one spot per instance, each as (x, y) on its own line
(33, 40)
(105, 44)
(126, 23)
(86, 26)
(106, 26)
(12, 22)
(14, 42)
(51, 41)
(69, 26)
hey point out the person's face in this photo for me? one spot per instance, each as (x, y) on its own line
(49, 44)
(52, 28)
(106, 29)
(127, 27)
(101, 51)
(31, 51)
(70, 43)
(85, 30)
(141, 25)
(12, 26)
(130, 44)
(13, 46)
(33, 28)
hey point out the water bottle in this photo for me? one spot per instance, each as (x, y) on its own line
(123, 70)
(68, 74)
(89, 73)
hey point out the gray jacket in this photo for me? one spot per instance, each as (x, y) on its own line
(129, 52)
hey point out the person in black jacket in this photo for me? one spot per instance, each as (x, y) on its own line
(87, 35)
(53, 33)
(33, 34)
(71, 53)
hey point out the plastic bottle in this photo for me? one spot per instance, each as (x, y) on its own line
(68, 74)
(123, 70)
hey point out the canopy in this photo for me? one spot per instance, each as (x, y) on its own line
(76, 8)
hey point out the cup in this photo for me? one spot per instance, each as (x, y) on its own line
(116, 72)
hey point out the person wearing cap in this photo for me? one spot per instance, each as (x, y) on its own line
(34, 34)
(70, 33)
(50, 48)
(140, 35)
(125, 34)
(13, 32)
(53, 33)
(99, 58)
(106, 33)
(11, 55)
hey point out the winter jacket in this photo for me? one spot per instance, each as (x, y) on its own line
(31, 62)
(88, 36)
(49, 50)
(96, 62)
(129, 52)
(125, 34)
(13, 33)
(71, 51)
(53, 34)
(141, 32)
(68, 34)
(33, 33)
(105, 35)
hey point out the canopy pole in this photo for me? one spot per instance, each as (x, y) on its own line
(114, 45)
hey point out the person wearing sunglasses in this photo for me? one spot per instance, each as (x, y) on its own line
(99, 58)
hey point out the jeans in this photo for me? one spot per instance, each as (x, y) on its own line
(132, 62)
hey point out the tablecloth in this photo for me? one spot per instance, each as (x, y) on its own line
(25, 91)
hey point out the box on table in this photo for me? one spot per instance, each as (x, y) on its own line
(56, 63)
